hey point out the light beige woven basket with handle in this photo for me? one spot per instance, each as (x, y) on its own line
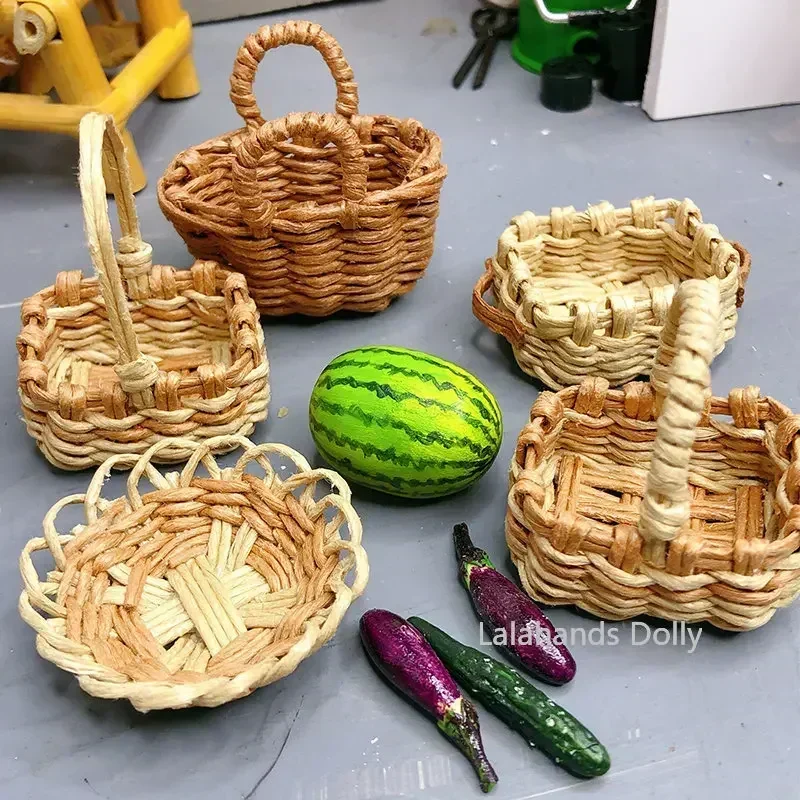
(205, 587)
(321, 212)
(657, 498)
(139, 354)
(585, 294)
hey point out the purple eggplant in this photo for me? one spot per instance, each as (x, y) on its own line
(400, 653)
(515, 623)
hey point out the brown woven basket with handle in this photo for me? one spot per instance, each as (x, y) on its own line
(139, 354)
(657, 498)
(585, 294)
(321, 212)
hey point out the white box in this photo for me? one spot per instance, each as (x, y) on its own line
(711, 56)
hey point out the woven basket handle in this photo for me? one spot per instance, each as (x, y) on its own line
(257, 210)
(269, 37)
(681, 379)
(493, 318)
(101, 143)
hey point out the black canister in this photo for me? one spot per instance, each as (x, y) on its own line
(625, 40)
(567, 84)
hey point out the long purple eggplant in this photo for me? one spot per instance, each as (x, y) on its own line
(400, 653)
(516, 624)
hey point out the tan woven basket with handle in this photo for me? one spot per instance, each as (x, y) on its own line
(202, 589)
(657, 498)
(586, 294)
(321, 212)
(141, 353)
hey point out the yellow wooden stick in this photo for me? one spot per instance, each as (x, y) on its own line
(181, 81)
(61, 54)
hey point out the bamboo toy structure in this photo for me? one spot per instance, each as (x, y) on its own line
(58, 52)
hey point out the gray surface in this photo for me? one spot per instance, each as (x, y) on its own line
(720, 723)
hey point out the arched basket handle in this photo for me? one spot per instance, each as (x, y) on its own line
(258, 44)
(101, 144)
(681, 379)
(257, 210)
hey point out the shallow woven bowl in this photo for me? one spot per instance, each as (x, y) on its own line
(585, 294)
(201, 590)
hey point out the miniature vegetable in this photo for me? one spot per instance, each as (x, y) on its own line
(527, 636)
(400, 653)
(520, 705)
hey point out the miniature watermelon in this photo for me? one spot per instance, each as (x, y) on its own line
(404, 422)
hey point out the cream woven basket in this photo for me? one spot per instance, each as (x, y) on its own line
(657, 498)
(586, 294)
(140, 354)
(202, 589)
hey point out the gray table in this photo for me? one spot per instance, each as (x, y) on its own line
(719, 723)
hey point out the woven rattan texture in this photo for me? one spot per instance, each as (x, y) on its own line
(202, 589)
(689, 512)
(586, 294)
(101, 374)
(321, 212)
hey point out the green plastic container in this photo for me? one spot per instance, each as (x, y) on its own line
(539, 40)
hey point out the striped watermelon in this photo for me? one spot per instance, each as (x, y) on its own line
(404, 422)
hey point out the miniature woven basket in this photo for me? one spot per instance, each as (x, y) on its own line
(656, 498)
(203, 589)
(101, 374)
(321, 212)
(586, 294)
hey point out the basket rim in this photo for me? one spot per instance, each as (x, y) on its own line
(594, 410)
(604, 219)
(431, 177)
(728, 261)
(540, 314)
(146, 695)
(250, 359)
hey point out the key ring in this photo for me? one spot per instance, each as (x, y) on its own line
(493, 22)
(489, 25)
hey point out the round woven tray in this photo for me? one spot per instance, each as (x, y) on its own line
(202, 589)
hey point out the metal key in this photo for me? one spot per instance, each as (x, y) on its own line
(489, 25)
